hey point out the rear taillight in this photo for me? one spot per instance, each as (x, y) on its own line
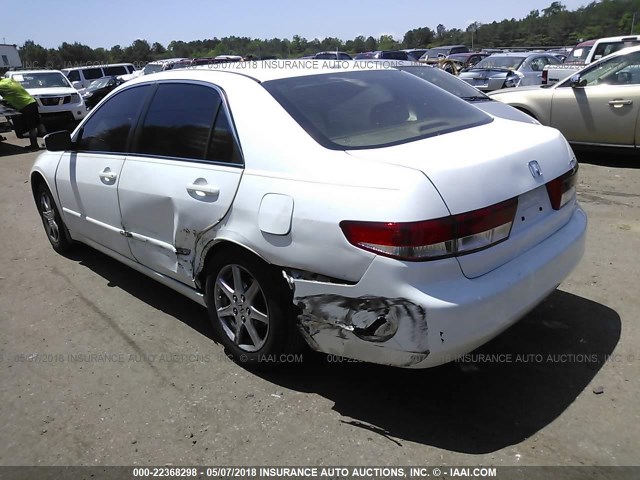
(563, 188)
(545, 76)
(432, 239)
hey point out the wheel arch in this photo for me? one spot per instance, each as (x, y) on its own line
(220, 246)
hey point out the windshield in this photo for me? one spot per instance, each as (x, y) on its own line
(42, 80)
(578, 54)
(96, 84)
(371, 109)
(446, 81)
(498, 61)
(152, 68)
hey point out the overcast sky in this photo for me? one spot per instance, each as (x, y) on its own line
(120, 22)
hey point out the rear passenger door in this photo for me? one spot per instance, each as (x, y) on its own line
(181, 176)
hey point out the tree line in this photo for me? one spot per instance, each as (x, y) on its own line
(552, 26)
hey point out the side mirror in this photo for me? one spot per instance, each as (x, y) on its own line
(76, 85)
(58, 141)
(576, 82)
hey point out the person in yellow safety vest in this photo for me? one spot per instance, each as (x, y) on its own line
(29, 121)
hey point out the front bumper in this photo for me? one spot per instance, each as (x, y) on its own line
(68, 112)
(425, 314)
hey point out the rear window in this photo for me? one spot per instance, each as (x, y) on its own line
(117, 70)
(371, 109)
(459, 50)
(92, 73)
(497, 61)
(604, 49)
(394, 56)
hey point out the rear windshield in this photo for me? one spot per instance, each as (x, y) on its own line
(446, 81)
(152, 68)
(371, 109)
(497, 61)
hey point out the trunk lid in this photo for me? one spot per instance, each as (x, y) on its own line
(486, 165)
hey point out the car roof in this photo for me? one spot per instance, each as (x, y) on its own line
(265, 70)
(102, 65)
(23, 72)
(520, 54)
(168, 60)
(619, 38)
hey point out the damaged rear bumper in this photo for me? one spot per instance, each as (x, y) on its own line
(425, 314)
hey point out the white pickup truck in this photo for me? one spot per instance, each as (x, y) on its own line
(584, 53)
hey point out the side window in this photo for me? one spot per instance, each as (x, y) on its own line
(118, 70)
(92, 73)
(179, 121)
(223, 146)
(621, 70)
(107, 130)
(74, 76)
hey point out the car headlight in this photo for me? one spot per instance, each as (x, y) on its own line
(75, 98)
(87, 95)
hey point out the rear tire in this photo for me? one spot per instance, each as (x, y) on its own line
(54, 227)
(250, 308)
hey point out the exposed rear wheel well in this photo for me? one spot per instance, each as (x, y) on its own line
(219, 249)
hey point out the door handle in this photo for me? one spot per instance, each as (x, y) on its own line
(204, 189)
(107, 175)
(620, 103)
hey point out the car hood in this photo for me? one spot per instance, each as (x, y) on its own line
(481, 166)
(502, 110)
(40, 92)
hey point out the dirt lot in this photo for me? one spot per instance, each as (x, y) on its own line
(100, 365)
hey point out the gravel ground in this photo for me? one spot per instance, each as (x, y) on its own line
(100, 365)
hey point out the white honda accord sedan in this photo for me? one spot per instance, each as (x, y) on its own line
(369, 212)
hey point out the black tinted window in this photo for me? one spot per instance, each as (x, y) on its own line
(120, 70)
(223, 147)
(108, 128)
(74, 76)
(395, 55)
(179, 121)
(92, 73)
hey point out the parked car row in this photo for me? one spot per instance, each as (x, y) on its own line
(597, 107)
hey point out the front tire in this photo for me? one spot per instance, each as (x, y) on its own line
(54, 227)
(250, 308)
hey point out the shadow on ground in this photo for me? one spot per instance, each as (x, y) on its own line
(609, 158)
(474, 407)
(7, 149)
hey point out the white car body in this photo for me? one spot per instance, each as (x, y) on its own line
(60, 102)
(285, 203)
